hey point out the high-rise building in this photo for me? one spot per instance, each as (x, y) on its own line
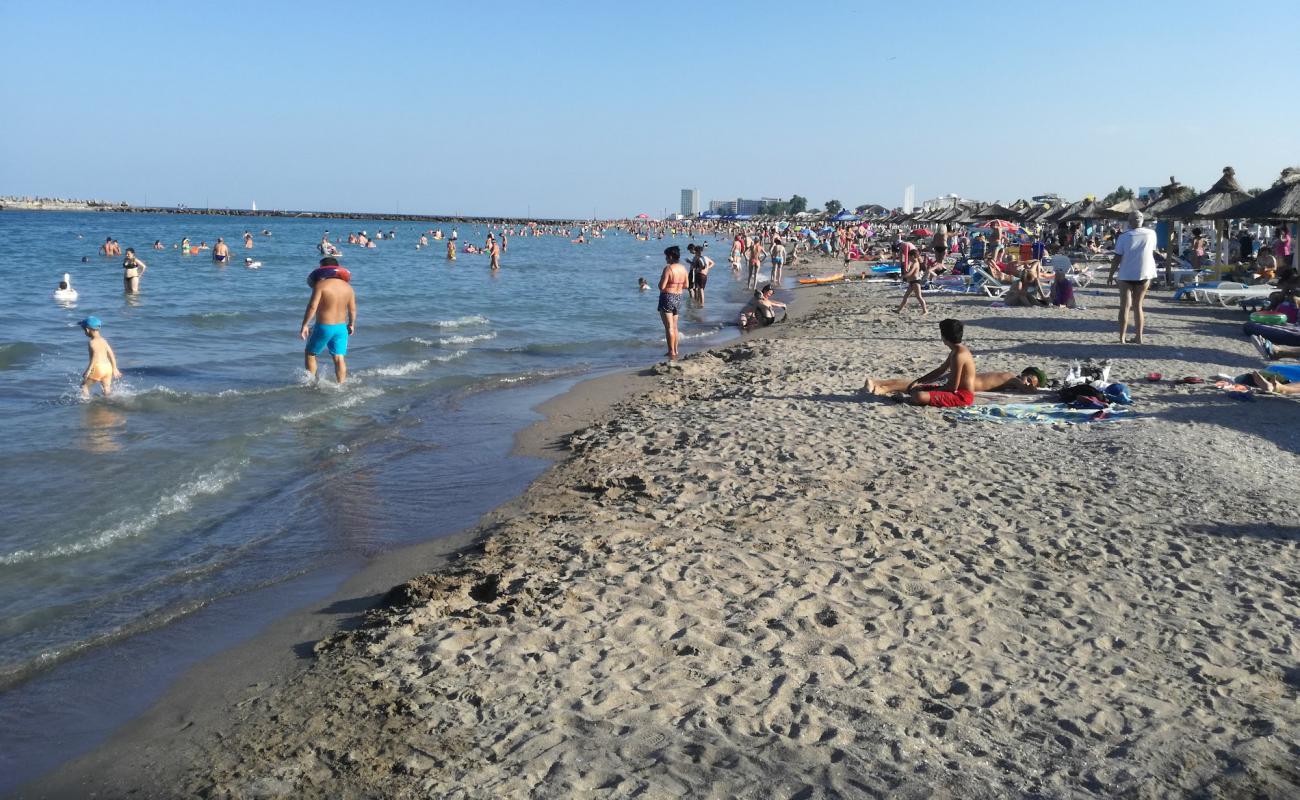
(722, 206)
(690, 202)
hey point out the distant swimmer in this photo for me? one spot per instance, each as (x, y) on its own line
(65, 293)
(185, 246)
(220, 253)
(333, 304)
(265, 232)
(494, 252)
(251, 264)
(327, 248)
(158, 245)
(643, 285)
(132, 269)
(248, 240)
(454, 234)
(102, 368)
(451, 250)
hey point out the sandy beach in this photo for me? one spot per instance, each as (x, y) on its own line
(742, 579)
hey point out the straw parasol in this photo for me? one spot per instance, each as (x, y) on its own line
(1280, 201)
(996, 211)
(1171, 194)
(1223, 195)
(1085, 209)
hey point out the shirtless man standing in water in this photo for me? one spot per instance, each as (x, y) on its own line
(221, 253)
(334, 305)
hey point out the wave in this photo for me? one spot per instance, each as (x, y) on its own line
(176, 502)
(395, 370)
(18, 354)
(481, 337)
(461, 322)
(351, 397)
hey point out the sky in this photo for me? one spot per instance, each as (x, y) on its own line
(610, 109)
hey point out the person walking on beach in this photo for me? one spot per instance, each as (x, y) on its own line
(671, 283)
(102, 368)
(756, 253)
(132, 269)
(333, 305)
(1135, 259)
(911, 264)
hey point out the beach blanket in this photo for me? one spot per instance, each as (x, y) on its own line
(1037, 413)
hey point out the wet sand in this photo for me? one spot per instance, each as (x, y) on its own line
(746, 580)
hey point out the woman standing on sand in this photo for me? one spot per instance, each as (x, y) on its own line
(671, 283)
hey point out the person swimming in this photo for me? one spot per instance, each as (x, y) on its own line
(251, 264)
(643, 285)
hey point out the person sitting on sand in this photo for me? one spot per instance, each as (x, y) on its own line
(1029, 381)
(761, 310)
(959, 366)
(1063, 287)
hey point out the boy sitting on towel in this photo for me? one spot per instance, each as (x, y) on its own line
(959, 366)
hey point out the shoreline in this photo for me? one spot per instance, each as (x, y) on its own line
(206, 693)
(750, 579)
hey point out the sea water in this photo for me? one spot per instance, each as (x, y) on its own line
(216, 468)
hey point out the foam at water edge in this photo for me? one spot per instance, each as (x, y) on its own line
(175, 503)
(474, 319)
(481, 337)
(351, 397)
(395, 370)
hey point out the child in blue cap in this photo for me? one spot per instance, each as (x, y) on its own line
(102, 368)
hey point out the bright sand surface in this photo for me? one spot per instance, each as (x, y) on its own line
(746, 581)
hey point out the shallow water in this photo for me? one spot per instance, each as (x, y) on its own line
(215, 468)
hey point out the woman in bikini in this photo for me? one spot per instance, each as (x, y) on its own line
(671, 283)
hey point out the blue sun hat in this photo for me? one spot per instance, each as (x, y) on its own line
(91, 323)
(1118, 393)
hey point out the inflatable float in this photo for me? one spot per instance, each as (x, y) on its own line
(839, 276)
(323, 273)
(68, 295)
(1288, 335)
(1289, 371)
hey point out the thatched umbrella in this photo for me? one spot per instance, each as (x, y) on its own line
(1279, 202)
(1085, 209)
(1223, 195)
(1122, 209)
(1171, 194)
(996, 211)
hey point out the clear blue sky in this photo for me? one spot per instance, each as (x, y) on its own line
(572, 108)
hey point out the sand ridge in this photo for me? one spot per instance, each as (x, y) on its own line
(747, 581)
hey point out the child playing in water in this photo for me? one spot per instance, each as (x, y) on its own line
(102, 368)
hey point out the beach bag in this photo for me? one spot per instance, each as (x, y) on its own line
(1070, 394)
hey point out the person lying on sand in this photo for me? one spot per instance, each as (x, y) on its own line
(959, 366)
(1269, 382)
(1029, 381)
(1271, 351)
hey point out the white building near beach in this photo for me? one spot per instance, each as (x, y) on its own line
(690, 202)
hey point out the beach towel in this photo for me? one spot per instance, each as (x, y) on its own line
(1037, 413)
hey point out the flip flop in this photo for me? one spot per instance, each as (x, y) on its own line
(1192, 379)
(1155, 376)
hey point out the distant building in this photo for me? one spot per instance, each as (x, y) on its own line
(722, 206)
(690, 202)
(942, 201)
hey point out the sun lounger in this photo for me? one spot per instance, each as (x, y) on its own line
(1228, 293)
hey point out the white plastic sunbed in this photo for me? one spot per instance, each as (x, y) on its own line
(1228, 293)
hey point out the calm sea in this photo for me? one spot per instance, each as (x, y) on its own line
(215, 469)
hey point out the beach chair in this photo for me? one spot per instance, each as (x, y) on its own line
(986, 283)
(1228, 293)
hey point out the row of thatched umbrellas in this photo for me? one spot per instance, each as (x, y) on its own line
(1224, 201)
(1175, 202)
